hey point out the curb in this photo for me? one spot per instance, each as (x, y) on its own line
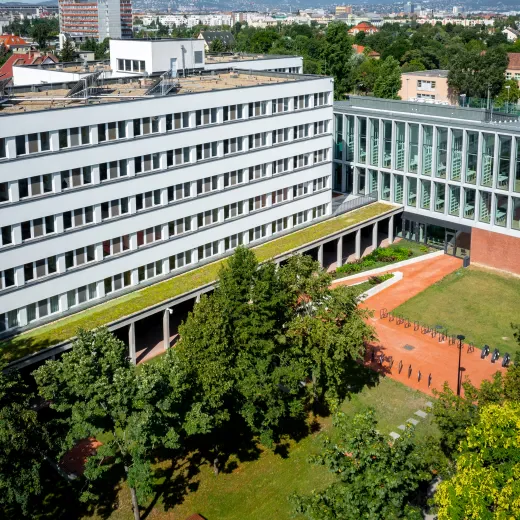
(398, 276)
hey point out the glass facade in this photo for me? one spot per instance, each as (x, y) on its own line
(338, 137)
(484, 212)
(349, 137)
(372, 181)
(413, 154)
(412, 192)
(362, 145)
(398, 189)
(442, 153)
(440, 197)
(504, 162)
(471, 157)
(456, 154)
(454, 202)
(374, 142)
(425, 194)
(501, 210)
(515, 217)
(516, 181)
(488, 150)
(399, 146)
(427, 157)
(469, 203)
(385, 186)
(387, 135)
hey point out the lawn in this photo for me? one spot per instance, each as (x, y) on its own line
(258, 489)
(61, 330)
(474, 302)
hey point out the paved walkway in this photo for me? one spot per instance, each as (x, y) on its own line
(418, 354)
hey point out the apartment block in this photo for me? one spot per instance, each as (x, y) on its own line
(456, 171)
(109, 184)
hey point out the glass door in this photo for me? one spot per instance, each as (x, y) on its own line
(450, 243)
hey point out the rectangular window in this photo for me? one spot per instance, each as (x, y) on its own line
(301, 102)
(258, 108)
(232, 145)
(257, 140)
(148, 199)
(37, 228)
(179, 226)
(113, 170)
(233, 210)
(3, 151)
(178, 192)
(34, 186)
(257, 172)
(206, 185)
(233, 178)
(76, 177)
(280, 166)
(206, 150)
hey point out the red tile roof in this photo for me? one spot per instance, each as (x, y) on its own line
(514, 60)
(360, 49)
(29, 58)
(11, 40)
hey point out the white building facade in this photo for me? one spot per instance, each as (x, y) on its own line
(101, 199)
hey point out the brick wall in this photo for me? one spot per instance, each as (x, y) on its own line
(495, 250)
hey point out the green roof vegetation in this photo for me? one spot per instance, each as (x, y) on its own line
(42, 337)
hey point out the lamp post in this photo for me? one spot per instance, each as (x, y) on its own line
(461, 338)
(463, 96)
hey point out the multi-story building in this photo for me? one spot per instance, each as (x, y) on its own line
(115, 183)
(427, 85)
(455, 170)
(97, 19)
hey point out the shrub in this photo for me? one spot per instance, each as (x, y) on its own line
(424, 249)
(377, 279)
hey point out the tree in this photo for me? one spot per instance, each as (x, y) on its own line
(374, 478)
(486, 483)
(510, 93)
(98, 391)
(217, 46)
(366, 75)
(388, 83)
(67, 52)
(41, 33)
(24, 442)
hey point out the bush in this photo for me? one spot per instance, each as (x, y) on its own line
(424, 249)
(377, 279)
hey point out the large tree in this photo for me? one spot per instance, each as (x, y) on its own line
(486, 484)
(99, 392)
(388, 84)
(24, 442)
(375, 478)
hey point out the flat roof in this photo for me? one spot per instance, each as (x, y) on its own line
(230, 58)
(24, 100)
(438, 73)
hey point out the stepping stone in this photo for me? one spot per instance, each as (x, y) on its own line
(402, 427)
(415, 422)
(394, 435)
(420, 413)
(429, 404)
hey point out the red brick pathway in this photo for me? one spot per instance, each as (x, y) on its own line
(427, 355)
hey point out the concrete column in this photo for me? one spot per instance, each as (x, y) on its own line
(131, 343)
(16, 233)
(59, 223)
(162, 124)
(61, 262)
(63, 302)
(100, 289)
(358, 244)
(19, 276)
(14, 192)
(391, 230)
(97, 213)
(375, 229)
(197, 298)
(94, 134)
(55, 141)
(339, 252)
(22, 316)
(320, 255)
(166, 328)
(129, 128)
(10, 147)
(135, 276)
(133, 241)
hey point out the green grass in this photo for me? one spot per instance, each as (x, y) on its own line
(61, 330)
(416, 249)
(258, 489)
(477, 303)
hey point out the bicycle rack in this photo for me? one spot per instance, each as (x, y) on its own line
(452, 339)
(471, 348)
(399, 320)
(391, 317)
(416, 325)
(383, 313)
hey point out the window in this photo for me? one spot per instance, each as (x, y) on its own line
(2, 148)
(146, 163)
(257, 172)
(257, 140)
(81, 295)
(146, 125)
(321, 99)
(117, 282)
(320, 184)
(319, 211)
(258, 108)
(148, 199)
(233, 210)
(299, 218)
(113, 170)
(301, 131)
(145, 272)
(41, 309)
(258, 202)
(233, 241)
(40, 268)
(37, 228)
(281, 135)
(31, 143)
(177, 121)
(280, 166)
(299, 161)
(208, 250)
(279, 196)
(71, 137)
(198, 57)
(301, 102)
(233, 112)
(179, 226)
(232, 145)
(257, 233)
(207, 218)
(300, 189)
(149, 235)
(179, 192)
(114, 208)
(180, 260)
(131, 65)
(76, 177)
(280, 105)
(208, 184)
(207, 116)
(78, 217)
(206, 150)
(233, 178)
(116, 246)
(7, 278)
(111, 131)
(321, 127)
(279, 225)
(6, 235)
(80, 256)
(320, 155)
(34, 186)
(178, 156)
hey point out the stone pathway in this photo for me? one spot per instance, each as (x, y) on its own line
(420, 413)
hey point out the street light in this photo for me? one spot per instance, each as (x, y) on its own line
(461, 338)
(463, 96)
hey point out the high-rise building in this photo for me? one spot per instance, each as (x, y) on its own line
(456, 172)
(96, 19)
(409, 8)
(343, 9)
(131, 175)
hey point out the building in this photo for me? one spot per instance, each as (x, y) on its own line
(97, 19)
(14, 43)
(365, 27)
(409, 8)
(360, 49)
(28, 58)
(427, 86)
(456, 171)
(511, 34)
(113, 183)
(513, 67)
(343, 9)
(226, 37)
